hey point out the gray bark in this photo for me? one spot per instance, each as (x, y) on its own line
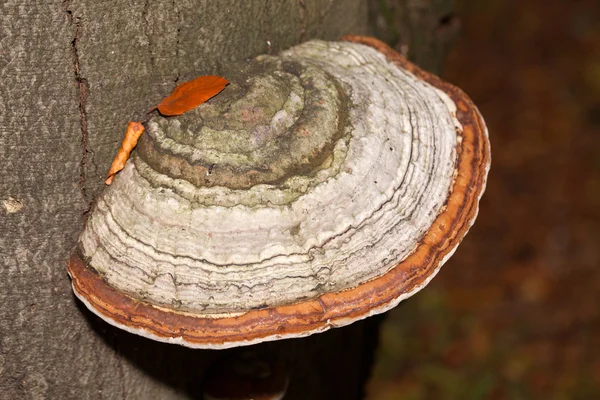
(421, 30)
(72, 74)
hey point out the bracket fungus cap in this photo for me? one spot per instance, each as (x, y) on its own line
(322, 186)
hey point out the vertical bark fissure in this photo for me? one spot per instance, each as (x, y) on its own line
(122, 373)
(84, 91)
(148, 34)
(267, 27)
(177, 39)
(323, 13)
(303, 19)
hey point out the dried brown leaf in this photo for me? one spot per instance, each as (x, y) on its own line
(191, 94)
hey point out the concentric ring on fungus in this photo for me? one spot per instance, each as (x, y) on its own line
(322, 186)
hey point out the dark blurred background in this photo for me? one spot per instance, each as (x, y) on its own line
(514, 314)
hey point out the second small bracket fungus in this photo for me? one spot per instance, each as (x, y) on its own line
(322, 186)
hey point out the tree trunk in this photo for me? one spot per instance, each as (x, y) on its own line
(73, 73)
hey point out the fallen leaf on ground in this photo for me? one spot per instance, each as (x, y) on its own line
(191, 94)
(132, 135)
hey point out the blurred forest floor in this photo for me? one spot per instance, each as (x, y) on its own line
(515, 313)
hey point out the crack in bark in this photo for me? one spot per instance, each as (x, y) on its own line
(267, 27)
(147, 33)
(325, 11)
(303, 18)
(177, 38)
(84, 91)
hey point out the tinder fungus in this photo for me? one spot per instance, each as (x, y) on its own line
(322, 186)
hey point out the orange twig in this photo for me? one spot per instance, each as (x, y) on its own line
(132, 135)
